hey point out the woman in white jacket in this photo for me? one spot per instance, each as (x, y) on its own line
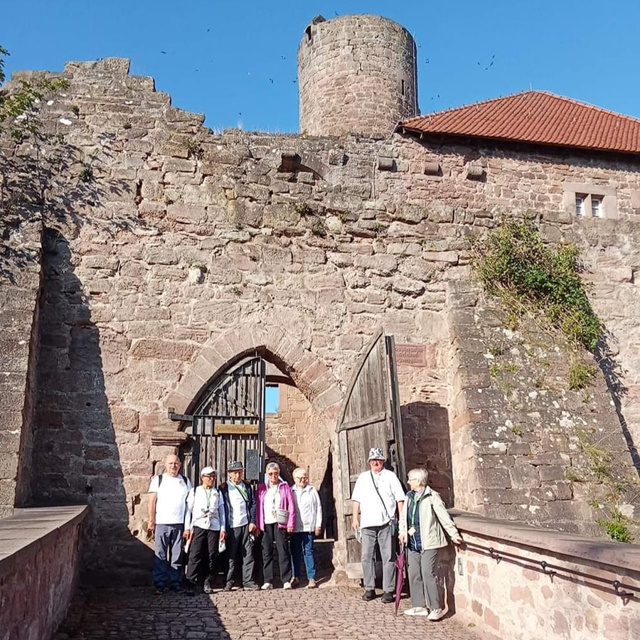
(204, 529)
(423, 522)
(308, 524)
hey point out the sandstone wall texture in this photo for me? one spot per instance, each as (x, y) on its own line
(39, 560)
(356, 73)
(184, 249)
(501, 584)
(19, 290)
(526, 446)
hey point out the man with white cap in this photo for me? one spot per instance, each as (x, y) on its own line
(240, 511)
(167, 504)
(204, 527)
(377, 500)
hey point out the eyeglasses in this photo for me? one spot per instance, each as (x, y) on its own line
(273, 473)
(209, 475)
(413, 479)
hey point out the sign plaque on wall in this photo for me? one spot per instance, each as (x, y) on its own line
(221, 428)
(411, 355)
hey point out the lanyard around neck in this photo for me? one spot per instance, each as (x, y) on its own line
(242, 490)
(414, 506)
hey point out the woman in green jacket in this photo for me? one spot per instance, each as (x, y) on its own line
(423, 522)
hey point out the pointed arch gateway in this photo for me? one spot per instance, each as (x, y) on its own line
(220, 403)
(221, 398)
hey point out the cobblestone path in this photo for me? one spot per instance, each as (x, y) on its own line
(335, 613)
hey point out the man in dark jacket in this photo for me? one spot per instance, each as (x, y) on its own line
(240, 512)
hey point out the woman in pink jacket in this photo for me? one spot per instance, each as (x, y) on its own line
(276, 518)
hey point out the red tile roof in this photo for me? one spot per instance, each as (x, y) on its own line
(538, 117)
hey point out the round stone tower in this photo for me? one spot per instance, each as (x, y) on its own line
(356, 73)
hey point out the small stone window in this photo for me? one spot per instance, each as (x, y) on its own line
(590, 201)
(402, 87)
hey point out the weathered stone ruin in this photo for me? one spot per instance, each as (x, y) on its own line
(156, 253)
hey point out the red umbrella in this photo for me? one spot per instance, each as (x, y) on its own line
(400, 564)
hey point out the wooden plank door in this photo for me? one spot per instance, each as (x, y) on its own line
(370, 417)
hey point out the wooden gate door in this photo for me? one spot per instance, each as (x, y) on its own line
(228, 423)
(370, 418)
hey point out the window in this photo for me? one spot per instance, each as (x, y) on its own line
(597, 210)
(590, 200)
(402, 87)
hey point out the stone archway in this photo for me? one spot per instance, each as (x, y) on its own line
(311, 377)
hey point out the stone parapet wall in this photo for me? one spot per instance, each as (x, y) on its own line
(39, 561)
(19, 293)
(501, 585)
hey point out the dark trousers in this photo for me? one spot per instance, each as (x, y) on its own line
(203, 555)
(273, 532)
(240, 554)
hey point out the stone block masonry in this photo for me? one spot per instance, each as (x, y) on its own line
(356, 73)
(39, 559)
(188, 248)
(20, 274)
(524, 583)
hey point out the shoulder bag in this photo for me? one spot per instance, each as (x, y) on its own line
(393, 521)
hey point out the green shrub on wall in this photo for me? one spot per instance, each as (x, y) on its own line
(514, 263)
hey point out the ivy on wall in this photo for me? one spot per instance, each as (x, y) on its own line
(529, 276)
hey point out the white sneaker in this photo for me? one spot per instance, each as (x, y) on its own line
(266, 586)
(286, 585)
(436, 614)
(416, 611)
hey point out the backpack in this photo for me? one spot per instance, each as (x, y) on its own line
(160, 476)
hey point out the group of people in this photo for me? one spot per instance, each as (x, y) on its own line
(381, 509)
(232, 517)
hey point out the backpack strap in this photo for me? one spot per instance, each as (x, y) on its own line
(161, 475)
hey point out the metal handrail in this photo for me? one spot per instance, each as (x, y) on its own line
(625, 591)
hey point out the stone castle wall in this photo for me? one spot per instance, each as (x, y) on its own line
(184, 249)
(356, 73)
(20, 273)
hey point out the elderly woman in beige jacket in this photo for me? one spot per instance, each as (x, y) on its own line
(423, 522)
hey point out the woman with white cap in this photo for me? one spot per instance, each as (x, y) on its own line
(204, 529)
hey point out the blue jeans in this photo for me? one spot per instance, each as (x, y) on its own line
(167, 568)
(303, 543)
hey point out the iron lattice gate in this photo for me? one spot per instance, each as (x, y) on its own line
(228, 424)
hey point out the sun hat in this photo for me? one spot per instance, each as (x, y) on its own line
(375, 453)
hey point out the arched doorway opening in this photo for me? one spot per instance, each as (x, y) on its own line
(232, 420)
(334, 436)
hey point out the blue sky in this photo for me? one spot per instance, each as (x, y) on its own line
(220, 57)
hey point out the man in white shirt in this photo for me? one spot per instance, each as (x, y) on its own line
(377, 500)
(240, 513)
(167, 505)
(204, 527)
